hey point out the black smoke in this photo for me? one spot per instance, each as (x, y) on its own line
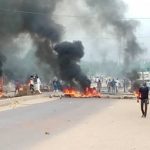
(2, 60)
(41, 24)
(33, 17)
(47, 55)
(69, 55)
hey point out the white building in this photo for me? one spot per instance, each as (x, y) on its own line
(144, 76)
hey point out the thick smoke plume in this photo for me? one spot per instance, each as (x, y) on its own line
(111, 14)
(69, 54)
(33, 17)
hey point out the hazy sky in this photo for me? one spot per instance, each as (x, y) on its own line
(98, 44)
(140, 9)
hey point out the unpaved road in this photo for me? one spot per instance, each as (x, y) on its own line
(75, 124)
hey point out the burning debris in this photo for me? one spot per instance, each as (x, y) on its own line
(137, 94)
(87, 93)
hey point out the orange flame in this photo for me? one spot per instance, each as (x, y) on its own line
(88, 92)
(71, 92)
(137, 94)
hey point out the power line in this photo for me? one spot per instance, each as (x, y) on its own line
(3, 10)
(71, 16)
(39, 13)
(107, 38)
(20, 11)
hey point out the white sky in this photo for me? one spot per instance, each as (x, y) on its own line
(141, 9)
(138, 8)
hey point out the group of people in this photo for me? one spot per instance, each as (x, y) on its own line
(57, 86)
(34, 84)
(113, 86)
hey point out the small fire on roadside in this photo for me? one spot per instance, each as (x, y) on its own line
(137, 94)
(87, 93)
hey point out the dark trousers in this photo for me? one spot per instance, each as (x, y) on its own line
(144, 103)
(32, 88)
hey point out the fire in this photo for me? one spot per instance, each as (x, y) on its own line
(87, 93)
(72, 92)
(137, 94)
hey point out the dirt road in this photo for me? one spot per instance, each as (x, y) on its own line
(75, 124)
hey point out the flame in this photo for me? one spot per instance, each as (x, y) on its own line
(72, 92)
(88, 92)
(137, 94)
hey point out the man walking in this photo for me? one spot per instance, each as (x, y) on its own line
(144, 91)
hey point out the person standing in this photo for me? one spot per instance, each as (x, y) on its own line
(31, 84)
(124, 85)
(117, 85)
(17, 87)
(143, 92)
(113, 85)
(99, 85)
(55, 85)
(109, 85)
(38, 84)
